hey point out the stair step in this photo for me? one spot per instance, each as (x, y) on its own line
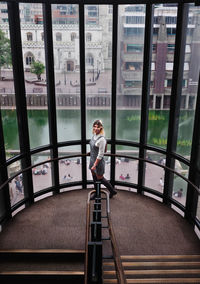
(157, 280)
(52, 251)
(41, 254)
(150, 257)
(44, 272)
(156, 271)
(157, 263)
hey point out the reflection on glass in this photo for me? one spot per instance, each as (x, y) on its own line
(180, 185)
(126, 168)
(190, 82)
(65, 19)
(42, 173)
(16, 188)
(98, 63)
(129, 70)
(70, 168)
(154, 175)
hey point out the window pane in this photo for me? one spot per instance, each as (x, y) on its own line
(16, 190)
(42, 173)
(126, 168)
(130, 67)
(154, 177)
(180, 185)
(7, 92)
(161, 77)
(70, 168)
(32, 35)
(190, 77)
(98, 62)
(65, 19)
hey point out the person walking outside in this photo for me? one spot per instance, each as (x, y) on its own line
(98, 146)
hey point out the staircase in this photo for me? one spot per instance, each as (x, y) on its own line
(42, 266)
(155, 269)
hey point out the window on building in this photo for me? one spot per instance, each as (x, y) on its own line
(188, 48)
(154, 47)
(132, 84)
(168, 83)
(73, 36)
(89, 59)
(170, 47)
(29, 36)
(153, 66)
(109, 49)
(129, 32)
(133, 66)
(110, 25)
(29, 58)
(110, 9)
(171, 31)
(58, 37)
(135, 19)
(92, 10)
(137, 48)
(42, 36)
(169, 66)
(88, 37)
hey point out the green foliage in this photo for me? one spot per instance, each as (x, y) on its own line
(37, 68)
(5, 52)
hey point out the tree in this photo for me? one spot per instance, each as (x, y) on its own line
(5, 52)
(37, 68)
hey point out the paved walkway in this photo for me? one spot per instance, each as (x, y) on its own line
(63, 84)
(153, 175)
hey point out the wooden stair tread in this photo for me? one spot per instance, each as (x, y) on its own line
(141, 257)
(42, 272)
(157, 263)
(157, 280)
(155, 271)
(41, 251)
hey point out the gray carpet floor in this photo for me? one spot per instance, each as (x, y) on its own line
(141, 224)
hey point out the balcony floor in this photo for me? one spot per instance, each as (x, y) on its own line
(142, 225)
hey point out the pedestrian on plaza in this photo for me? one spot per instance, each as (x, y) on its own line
(179, 193)
(18, 185)
(98, 146)
(161, 183)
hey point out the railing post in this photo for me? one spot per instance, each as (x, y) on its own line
(98, 189)
(94, 263)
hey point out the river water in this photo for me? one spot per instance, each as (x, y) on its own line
(127, 127)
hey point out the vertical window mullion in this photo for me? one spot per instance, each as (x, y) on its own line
(175, 100)
(146, 80)
(82, 90)
(194, 172)
(48, 40)
(20, 95)
(114, 84)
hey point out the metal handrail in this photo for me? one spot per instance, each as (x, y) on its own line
(117, 260)
(112, 155)
(87, 234)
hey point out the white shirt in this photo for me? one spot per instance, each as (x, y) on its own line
(101, 143)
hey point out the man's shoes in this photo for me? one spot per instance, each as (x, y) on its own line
(93, 196)
(114, 192)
